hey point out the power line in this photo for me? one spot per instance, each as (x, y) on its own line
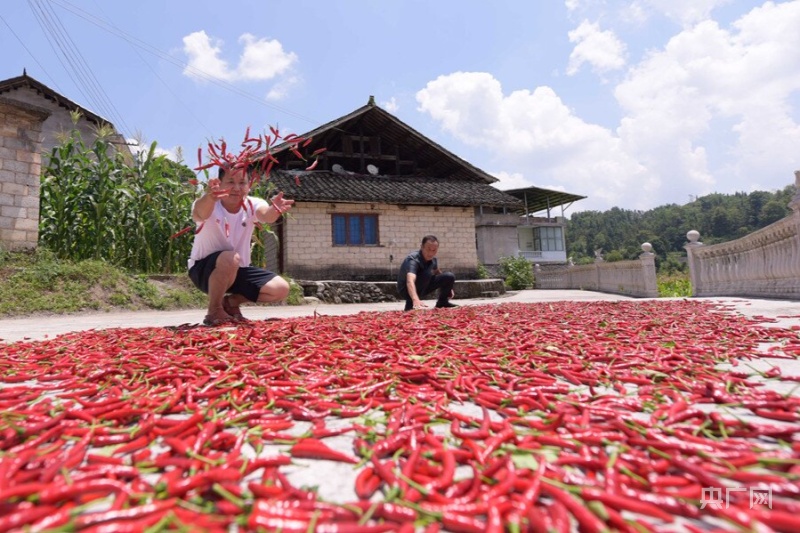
(175, 61)
(155, 73)
(91, 88)
(53, 47)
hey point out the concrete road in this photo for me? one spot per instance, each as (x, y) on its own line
(44, 326)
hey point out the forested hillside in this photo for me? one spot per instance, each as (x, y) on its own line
(718, 217)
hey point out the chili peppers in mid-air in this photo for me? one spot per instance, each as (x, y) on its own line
(256, 157)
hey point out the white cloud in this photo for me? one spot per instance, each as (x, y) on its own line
(534, 135)
(685, 12)
(203, 57)
(391, 105)
(713, 110)
(601, 49)
(137, 146)
(281, 89)
(708, 84)
(509, 180)
(261, 59)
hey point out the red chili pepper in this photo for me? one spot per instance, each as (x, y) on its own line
(495, 441)
(367, 482)
(481, 433)
(58, 493)
(623, 503)
(316, 449)
(587, 521)
(17, 519)
(122, 515)
(778, 520)
(22, 490)
(461, 523)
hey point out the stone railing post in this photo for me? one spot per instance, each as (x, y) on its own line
(694, 268)
(648, 260)
(795, 202)
(598, 258)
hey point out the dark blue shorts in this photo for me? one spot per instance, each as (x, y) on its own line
(248, 283)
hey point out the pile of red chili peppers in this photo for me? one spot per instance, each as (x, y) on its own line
(627, 416)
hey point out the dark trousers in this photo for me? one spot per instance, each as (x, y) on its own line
(444, 282)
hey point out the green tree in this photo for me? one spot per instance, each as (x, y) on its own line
(718, 218)
(772, 211)
(517, 271)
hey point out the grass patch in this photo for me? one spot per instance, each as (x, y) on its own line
(676, 285)
(37, 283)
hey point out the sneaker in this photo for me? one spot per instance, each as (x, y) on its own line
(446, 304)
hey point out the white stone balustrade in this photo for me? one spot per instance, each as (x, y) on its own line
(764, 264)
(636, 277)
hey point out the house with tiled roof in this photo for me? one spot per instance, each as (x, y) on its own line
(380, 186)
(26, 90)
(32, 118)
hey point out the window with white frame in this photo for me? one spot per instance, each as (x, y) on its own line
(548, 239)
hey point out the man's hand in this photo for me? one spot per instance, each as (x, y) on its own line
(419, 304)
(280, 204)
(214, 186)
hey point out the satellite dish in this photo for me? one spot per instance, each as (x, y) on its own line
(372, 169)
(339, 169)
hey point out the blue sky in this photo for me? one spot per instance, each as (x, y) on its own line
(632, 103)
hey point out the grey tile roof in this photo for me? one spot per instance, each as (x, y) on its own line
(327, 186)
(26, 81)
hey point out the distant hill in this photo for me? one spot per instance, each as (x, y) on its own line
(718, 217)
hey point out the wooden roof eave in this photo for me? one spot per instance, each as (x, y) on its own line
(391, 121)
(48, 93)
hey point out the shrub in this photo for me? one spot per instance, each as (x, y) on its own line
(672, 265)
(483, 273)
(674, 286)
(295, 291)
(517, 271)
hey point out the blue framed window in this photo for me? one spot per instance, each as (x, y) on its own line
(355, 230)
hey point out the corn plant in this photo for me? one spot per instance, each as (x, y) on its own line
(95, 203)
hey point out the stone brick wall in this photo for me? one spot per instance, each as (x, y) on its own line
(339, 292)
(20, 168)
(310, 254)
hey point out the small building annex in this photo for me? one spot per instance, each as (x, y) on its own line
(380, 186)
(32, 117)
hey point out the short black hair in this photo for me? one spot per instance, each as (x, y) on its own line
(225, 168)
(429, 238)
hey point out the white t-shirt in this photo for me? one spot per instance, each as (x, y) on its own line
(225, 231)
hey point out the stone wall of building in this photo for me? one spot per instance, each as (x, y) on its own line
(310, 254)
(20, 169)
